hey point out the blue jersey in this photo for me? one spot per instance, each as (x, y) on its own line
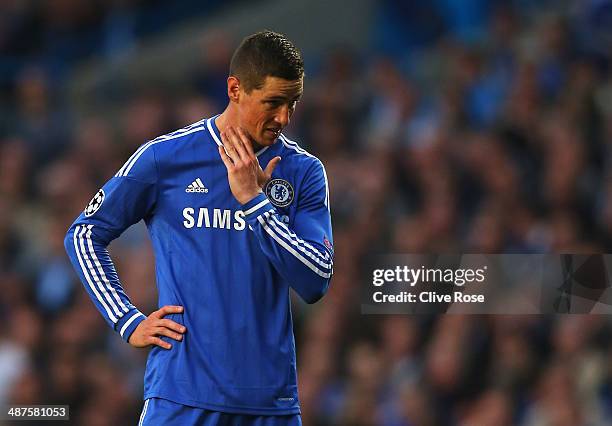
(229, 265)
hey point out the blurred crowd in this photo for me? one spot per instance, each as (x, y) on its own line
(58, 34)
(485, 131)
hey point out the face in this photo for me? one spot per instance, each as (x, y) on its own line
(264, 112)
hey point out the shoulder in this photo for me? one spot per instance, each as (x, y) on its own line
(145, 158)
(168, 144)
(311, 169)
(298, 156)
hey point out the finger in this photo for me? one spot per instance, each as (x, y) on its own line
(167, 310)
(224, 157)
(246, 142)
(238, 143)
(159, 342)
(228, 147)
(163, 331)
(171, 325)
(271, 166)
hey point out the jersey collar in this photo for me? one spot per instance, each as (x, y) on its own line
(216, 135)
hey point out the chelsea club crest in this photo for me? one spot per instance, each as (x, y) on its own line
(279, 192)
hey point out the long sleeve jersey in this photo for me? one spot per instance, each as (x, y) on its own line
(229, 265)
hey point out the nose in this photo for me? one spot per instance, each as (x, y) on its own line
(283, 115)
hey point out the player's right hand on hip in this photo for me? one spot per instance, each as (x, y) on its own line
(149, 331)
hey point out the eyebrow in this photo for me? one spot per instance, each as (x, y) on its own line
(283, 98)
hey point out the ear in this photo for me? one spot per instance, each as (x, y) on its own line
(233, 88)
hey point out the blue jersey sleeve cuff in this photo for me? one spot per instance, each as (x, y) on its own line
(256, 207)
(128, 323)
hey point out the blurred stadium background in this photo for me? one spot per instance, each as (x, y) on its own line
(446, 126)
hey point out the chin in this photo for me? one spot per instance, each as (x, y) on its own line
(267, 140)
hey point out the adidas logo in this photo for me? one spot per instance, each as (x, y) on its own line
(196, 186)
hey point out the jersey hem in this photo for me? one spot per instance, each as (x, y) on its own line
(225, 408)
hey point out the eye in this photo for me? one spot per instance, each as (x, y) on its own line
(272, 103)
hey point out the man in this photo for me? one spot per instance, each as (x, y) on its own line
(230, 239)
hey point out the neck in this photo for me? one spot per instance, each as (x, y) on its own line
(229, 117)
(225, 118)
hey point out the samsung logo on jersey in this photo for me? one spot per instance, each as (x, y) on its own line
(213, 218)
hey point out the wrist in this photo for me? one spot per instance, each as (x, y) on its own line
(256, 206)
(247, 197)
(128, 323)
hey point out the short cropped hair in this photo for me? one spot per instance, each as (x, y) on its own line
(264, 54)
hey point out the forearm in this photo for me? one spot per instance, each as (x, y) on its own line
(306, 265)
(93, 265)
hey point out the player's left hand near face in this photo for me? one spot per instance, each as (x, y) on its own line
(149, 331)
(245, 175)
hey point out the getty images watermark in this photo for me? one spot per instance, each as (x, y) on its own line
(488, 284)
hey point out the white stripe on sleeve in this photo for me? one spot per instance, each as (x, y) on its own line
(128, 322)
(256, 206)
(101, 272)
(93, 272)
(306, 244)
(291, 250)
(87, 277)
(296, 245)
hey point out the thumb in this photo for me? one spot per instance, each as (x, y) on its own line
(271, 166)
